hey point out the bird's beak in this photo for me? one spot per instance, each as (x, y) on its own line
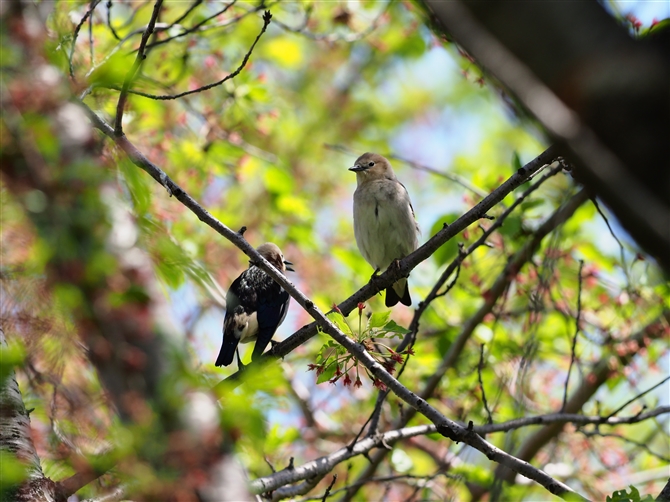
(357, 168)
(289, 266)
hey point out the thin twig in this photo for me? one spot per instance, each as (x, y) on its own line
(195, 26)
(480, 367)
(77, 29)
(638, 397)
(266, 21)
(189, 10)
(453, 282)
(109, 20)
(462, 255)
(330, 487)
(644, 446)
(94, 3)
(578, 318)
(622, 253)
(360, 431)
(118, 128)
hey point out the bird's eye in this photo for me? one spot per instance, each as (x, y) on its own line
(370, 164)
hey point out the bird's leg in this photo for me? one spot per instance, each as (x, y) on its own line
(240, 366)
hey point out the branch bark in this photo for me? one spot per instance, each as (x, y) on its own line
(664, 496)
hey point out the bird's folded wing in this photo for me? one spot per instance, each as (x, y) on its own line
(272, 309)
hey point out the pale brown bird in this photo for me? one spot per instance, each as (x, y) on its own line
(384, 223)
(255, 307)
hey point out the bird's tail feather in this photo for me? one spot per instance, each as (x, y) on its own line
(227, 352)
(398, 292)
(262, 341)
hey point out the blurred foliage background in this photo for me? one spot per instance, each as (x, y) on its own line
(269, 150)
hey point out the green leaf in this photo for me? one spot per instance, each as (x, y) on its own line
(511, 226)
(392, 327)
(113, 71)
(633, 496)
(285, 51)
(339, 321)
(530, 204)
(277, 181)
(379, 319)
(13, 472)
(327, 374)
(11, 356)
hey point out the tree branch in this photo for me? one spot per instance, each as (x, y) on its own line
(480, 366)
(139, 59)
(323, 465)
(664, 496)
(616, 412)
(456, 263)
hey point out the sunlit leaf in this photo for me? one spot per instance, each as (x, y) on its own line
(379, 319)
(393, 327)
(285, 51)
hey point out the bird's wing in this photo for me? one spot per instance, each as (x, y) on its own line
(230, 341)
(272, 309)
(411, 208)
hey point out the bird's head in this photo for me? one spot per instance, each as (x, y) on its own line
(273, 254)
(371, 166)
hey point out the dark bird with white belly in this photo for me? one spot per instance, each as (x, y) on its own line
(255, 307)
